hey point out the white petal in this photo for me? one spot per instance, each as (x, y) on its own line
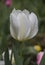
(3, 55)
(14, 10)
(10, 52)
(26, 12)
(34, 24)
(12, 32)
(24, 26)
(14, 25)
(18, 11)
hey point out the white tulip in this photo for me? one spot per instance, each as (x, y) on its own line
(23, 25)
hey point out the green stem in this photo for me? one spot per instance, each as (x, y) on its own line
(17, 49)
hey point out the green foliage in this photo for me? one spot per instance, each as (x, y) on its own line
(29, 54)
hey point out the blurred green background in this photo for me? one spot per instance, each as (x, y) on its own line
(36, 6)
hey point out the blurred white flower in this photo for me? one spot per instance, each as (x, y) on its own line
(23, 25)
(11, 58)
(3, 55)
(10, 52)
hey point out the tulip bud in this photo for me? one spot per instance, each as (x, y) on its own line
(39, 57)
(23, 25)
(8, 3)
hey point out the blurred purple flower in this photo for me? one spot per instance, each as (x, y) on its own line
(8, 3)
(39, 57)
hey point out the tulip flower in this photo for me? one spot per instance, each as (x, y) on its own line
(8, 3)
(39, 57)
(23, 25)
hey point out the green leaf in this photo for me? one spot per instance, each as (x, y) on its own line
(3, 44)
(43, 60)
(29, 50)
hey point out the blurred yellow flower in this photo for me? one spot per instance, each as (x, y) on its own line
(37, 48)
